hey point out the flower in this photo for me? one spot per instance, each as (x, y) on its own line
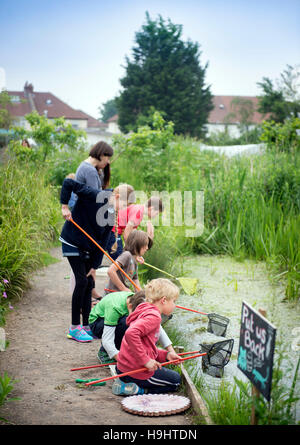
(4, 295)
(10, 306)
(5, 281)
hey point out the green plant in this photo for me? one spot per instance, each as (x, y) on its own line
(230, 404)
(33, 205)
(6, 386)
(50, 136)
(282, 137)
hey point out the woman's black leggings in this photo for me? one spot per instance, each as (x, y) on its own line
(82, 294)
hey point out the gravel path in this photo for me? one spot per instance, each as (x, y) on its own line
(40, 356)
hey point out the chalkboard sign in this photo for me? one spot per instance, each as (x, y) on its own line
(256, 349)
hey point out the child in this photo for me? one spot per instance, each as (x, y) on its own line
(136, 244)
(129, 219)
(108, 322)
(92, 213)
(138, 348)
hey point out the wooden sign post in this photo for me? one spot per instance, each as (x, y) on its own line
(256, 351)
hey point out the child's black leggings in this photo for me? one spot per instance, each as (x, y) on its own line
(82, 294)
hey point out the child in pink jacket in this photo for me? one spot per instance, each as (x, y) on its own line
(138, 348)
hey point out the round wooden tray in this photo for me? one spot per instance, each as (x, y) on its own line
(155, 404)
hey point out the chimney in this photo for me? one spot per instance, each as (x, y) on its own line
(28, 89)
(28, 93)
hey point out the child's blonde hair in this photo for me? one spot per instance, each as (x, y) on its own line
(71, 176)
(126, 193)
(159, 288)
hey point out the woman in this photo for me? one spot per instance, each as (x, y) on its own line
(95, 170)
(84, 257)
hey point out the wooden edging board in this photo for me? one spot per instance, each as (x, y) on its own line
(196, 400)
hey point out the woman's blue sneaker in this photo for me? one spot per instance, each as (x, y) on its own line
(120, 388)
(79, 334)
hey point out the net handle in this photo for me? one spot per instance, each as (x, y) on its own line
(135, 371)
(114, 363)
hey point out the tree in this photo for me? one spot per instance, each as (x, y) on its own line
(165, 74)
(5, 117)
(283, 100)
(242, 111)
(108, 109)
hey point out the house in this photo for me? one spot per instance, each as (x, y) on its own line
(112, 123)
(47, 104)
(221, 116)
(28, 100)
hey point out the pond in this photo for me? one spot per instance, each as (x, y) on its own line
(224, 284)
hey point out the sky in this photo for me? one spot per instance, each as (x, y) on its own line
(77, 49)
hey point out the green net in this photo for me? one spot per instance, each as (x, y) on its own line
(189, 285)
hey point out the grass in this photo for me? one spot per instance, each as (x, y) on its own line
(29, 222)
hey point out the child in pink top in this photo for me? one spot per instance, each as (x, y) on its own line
(130, 218)
(138, 348)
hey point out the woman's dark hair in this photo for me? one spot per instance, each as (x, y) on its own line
(135, 241)
(97, 151)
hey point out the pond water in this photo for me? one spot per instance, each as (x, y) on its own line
(235, 150)
(224, 284)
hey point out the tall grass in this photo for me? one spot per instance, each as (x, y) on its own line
(29, 220)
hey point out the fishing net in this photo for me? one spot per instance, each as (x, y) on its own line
(189, 285)
(217, 324)
(218, 355)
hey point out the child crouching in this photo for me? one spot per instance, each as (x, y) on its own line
(138, 348)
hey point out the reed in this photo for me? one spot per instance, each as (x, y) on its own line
(29, 220)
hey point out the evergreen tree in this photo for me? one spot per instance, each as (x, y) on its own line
(108, 109)
(165, 74)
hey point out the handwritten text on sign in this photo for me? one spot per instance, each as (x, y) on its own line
(256, 349)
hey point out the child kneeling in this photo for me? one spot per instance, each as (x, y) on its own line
(138, 348)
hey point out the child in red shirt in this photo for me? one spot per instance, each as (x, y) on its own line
(130, 218)
(138, 348)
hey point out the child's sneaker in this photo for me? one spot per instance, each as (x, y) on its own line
(120, 388)
(79, 334)
(103, 357)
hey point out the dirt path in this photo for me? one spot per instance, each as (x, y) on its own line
(40, 357)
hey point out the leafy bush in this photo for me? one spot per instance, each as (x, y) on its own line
(50, 136)
(282, 137)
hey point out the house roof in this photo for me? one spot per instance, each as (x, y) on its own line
(114, 118)
(46, 103)
(222, 107)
